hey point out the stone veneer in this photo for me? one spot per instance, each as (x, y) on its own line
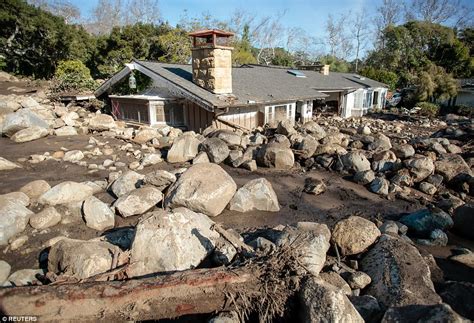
(212, 68)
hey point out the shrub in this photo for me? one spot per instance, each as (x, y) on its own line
(428, 109)
(464, 110)
(72, 76)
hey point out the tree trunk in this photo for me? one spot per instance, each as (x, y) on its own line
(150, 298)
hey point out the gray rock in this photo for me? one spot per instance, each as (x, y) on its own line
(280, 140)
(184, 148)
(285, 127)
(230, 137)
(275, 156)
(24, 277)
(138, 201)
(450, 165)
(308, 146)
(400, 275)
(426, 313)
(22, 119)
(65, 131)
(404, 151)
(358, 280)
(167, 241)
(97, 214)
(314, 186)
(322, 302)
(422, 222)
(146, 134)
(14, 218)
(29, 134)
(46, 218)
(313, 241)
(315, 130)
(73, 155)
(126, 183)
(151, 159)
(235, 158)
(337, 281)
(225, 317)
(200, 192)
(216, 149)
(402, 178)
(354, 234)
(364, 177)
(437, 237)
(428, 188)
(35, 188)
(460, 296)
(389, 227)
(257, 194)
(5, 269)
(379, 186)
(201, 158)
(355, 162)
(381, 143)
(66, 192)
(7, 165)
(81, 259)
(420, 168)
(161, 179)
(102, 122)
(368, 307)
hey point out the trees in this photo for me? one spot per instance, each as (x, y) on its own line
(338, 39)
(381, 75)
(72, 75)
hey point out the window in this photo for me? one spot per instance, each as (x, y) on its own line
(367, 100)
(170, 113)
(281, 112)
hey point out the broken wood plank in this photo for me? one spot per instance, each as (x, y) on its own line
(234, 125)
(150, 298)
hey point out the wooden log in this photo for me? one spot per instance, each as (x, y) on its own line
(150, 298)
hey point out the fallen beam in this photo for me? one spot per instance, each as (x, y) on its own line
(169, 296)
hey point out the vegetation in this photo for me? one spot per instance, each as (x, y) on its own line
(72, 75)
(428, 109)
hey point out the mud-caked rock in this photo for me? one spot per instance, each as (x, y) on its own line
(184, 148)
(275, 156)
(257, 194)
(216, 149)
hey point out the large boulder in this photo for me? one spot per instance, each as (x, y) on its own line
(97, 214)
(81, 259)
(167, 241)
(127, 183)
(285, 127)
(257, 194)
(184, 148)
(204, 188)
(102, 122)
(420, 167)
(355, 162)
(14, 217)
(66, 192)
(275, 156)
(312, 240)
(7, 165)
(422, 222)
(22, 119)
(426, 313)
(230, 137)
(308, 146)
(138, 201)
(35, 188)
(322, 302)
(451, 165)
(464, 221)
(460, 296)
(380, 143)
(216, 149)
(354, 234)
(29, 134)
(315, 130)
(400, 275)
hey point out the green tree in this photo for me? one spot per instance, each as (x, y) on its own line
(335, 64)
(243, 49)
(72, 76)
(176, 46)
(384, 76)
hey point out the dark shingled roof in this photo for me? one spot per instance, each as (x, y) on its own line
(262, 84)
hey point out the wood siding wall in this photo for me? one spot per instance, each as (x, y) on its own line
(196, 118)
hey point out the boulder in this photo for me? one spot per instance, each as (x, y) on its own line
(201, 158)
(216, 149)
(464, 221)
(358, 280)
(102, 122)
(316, 131)
(427, 188)
(355, 162)
(379, 186)
(380, 143)
(285, 127)
(151, 159)
(97, 214)
(322, 302)
(312, 240)
(29, 134)
(66, 192)
(81, 259)
(426, 313)
(226, 317)
(65, 131)
(184, 148)
(145, 135)
(368, 307)
(127, 183)
(420, 168)
(422, 222)
(46, 218)
(330, 149)
(364, 177)
(7, 165)
(257, 194)
(14, 218)
(161, 179)
(73, 155)
(138, 201)
(230, 137)
(275, 156)
(235, 158)
(400, 275)
(404, 151)
(24, 277)
(5, 269)
(314, 186)
(171, 240)
(22, 119)
(460, 296)
(308, 146)
(450, 165)
(354, 235)
(334, 279)
(204, 188)
(280, 140)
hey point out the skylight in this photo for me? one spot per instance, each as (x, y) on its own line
(296, 73)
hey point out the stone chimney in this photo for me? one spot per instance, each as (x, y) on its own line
(325, 70)
(321, 68)
(212, 60)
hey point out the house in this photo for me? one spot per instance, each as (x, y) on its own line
(212, 91)
(465, 94)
